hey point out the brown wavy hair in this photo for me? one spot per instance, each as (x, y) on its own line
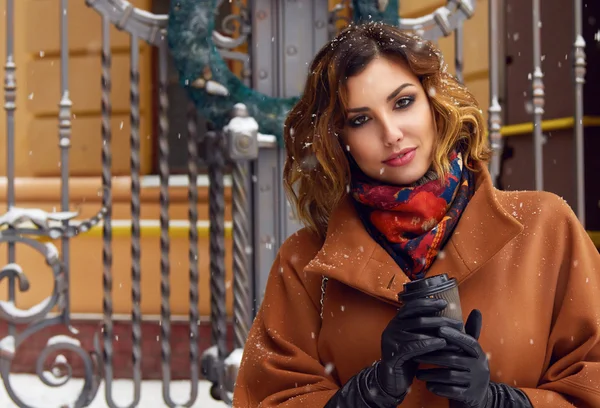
(316, 174)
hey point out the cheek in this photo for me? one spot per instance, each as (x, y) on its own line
(361, 148)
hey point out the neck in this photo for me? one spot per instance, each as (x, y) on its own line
(429, 176)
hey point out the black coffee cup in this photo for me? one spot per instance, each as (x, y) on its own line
(436, 287)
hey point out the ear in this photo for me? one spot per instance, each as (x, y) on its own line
(473, 325)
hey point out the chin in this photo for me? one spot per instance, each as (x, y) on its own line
(407, 178)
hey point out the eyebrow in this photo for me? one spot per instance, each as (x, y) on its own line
(389, 98)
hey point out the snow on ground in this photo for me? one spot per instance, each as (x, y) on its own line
(37, 395)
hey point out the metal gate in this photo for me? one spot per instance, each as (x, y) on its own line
(255, 161)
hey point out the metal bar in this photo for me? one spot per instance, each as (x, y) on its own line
(194, 314)
(459, 52)
(216, 210)
(10, 97)
(549, 125)
(494, 110)
(579, 71)
(538, 98)
(150, 229)
(165, 266)
(64, 126)
(136, 272)
(242, 303)
(107, 306)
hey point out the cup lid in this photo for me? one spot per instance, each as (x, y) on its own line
(426, 287)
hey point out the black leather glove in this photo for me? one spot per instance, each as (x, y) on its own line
(386, 383)
(465, 375)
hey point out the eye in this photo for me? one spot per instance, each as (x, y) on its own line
(358, 121)
(404, 102)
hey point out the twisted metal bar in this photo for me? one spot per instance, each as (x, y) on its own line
(136, 275)
(107, 307)
(242, 307)
(538, 98)
(217, 252)
(579, 71)
(192, 145)
(165, 266)
(494, 110)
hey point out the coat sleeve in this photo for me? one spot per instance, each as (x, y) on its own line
(572, 377)
(280, 365)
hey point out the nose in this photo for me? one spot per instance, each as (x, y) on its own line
(392, 134)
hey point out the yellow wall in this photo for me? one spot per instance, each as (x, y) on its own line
(37, 53)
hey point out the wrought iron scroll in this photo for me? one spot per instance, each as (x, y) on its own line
(35, 319)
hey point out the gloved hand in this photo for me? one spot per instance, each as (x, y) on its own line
(386, 383)
(406, 337)
(465, 375)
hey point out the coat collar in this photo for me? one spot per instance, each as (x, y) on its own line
(349, 254)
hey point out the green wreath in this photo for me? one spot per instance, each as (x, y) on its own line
(212, 87)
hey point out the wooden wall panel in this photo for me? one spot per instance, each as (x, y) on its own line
(43, 88)
(86, 146)
(37, 54)
(84, 27)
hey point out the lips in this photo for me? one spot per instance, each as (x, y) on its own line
(400, 154)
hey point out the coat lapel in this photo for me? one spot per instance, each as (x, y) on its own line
(350, 256)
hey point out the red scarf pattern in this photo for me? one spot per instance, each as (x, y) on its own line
(414, 223)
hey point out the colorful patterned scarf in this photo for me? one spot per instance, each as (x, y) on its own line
(414, 223)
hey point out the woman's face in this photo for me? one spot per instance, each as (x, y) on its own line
(389, 128)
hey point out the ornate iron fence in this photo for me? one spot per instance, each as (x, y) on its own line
(237, 146)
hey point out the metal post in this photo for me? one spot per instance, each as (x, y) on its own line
(494, 110)
(241, 234)
(579, 71)
(10, 97)
(242, 143)
(538, 98)
(458, 52)
(64, 125)
(279, 70)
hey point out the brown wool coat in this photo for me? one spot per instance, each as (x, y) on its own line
(522, 258)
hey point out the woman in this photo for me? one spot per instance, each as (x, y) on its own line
(386, 167)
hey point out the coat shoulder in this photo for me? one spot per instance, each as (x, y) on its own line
(535, 206)
(300, 248)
